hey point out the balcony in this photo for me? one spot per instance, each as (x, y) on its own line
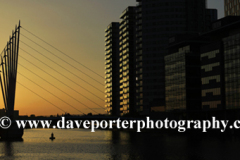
(138, 66)
(139, 59)
(139, 53)
(139, 9)
(139, 16)
(108, 61)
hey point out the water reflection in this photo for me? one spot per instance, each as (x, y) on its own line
(120, 145)
(8, 147)
(149, 145)
(133, 145)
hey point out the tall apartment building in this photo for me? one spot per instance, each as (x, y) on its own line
(127, 61)
(232, 7)
(157, 20)
(112, 68)
(211, 16)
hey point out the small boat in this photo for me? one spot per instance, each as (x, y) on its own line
(52, 137)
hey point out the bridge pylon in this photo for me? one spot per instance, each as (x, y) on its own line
(8, 77)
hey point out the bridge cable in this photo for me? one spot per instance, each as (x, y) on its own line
(62, 52)
(2, 50)
(57, 96)
(62, 75)
(57, 87)
(41, 97)
(52, 77)
(61, 67)
(60, 59)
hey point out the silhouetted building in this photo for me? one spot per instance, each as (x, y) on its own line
(143, 51)
(212, 76)
(211, 16)
(220, 62)
(218, 56)
(112, 68)
(157, 21)
(232, 7)
(33, 116)
(232, 66)
(127, 61)
(182, 74)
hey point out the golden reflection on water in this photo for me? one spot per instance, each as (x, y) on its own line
(115, 144)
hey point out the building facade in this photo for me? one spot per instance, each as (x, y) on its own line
(232, 69)
(232, 7)
(157, 21)
(218, 63)
(141, 69)
(127, 61)
(211, 16)
(212, 76)
(182, 75)
(112, 69)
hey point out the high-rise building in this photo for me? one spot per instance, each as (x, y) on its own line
(112, 68)
(141, 74)
(211, 16)
(127, 61)
(232, 7)
(157, 21)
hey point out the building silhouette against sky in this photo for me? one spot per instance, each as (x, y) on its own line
(112, 68)
(127, 60)
(155, 22)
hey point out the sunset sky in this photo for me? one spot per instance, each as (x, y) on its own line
(76, 27)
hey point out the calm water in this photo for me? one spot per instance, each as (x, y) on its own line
(82, 144)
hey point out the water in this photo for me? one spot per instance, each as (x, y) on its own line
(107, 144)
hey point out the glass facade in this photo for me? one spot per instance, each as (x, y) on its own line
(232, 70)
(212, 76)
(182, 76)
(232, 7)
(219, 67)
(175, 80)
(157, 21)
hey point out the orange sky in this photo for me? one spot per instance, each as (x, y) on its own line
(75, 27)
